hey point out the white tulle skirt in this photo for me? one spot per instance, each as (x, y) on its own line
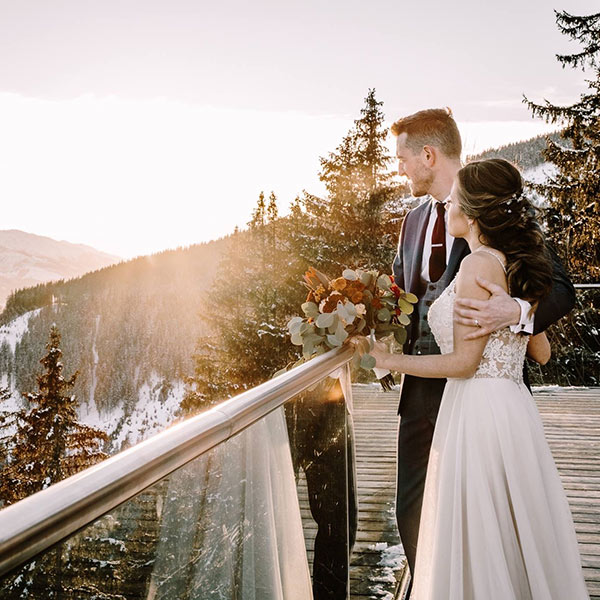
(495, 523)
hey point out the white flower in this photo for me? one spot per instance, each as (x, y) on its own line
(361, 309)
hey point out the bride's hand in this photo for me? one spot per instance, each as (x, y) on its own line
(360, 344)
(380, 352)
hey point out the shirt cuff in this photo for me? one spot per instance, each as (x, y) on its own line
(525, 324)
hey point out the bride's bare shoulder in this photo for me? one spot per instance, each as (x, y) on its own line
(488, 265)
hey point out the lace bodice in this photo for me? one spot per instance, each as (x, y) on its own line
(504, 353)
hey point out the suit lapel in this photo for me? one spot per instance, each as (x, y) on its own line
(420, 229)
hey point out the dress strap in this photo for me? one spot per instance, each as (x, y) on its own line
(489, 251)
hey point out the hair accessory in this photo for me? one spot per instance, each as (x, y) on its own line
(515, 199)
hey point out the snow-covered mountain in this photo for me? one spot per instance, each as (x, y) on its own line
(27, 259)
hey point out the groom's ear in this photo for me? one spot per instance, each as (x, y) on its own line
(429, 155)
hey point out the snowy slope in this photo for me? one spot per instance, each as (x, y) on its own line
(153, 412)
(156, 407)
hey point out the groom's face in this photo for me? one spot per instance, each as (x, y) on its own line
(413, 166)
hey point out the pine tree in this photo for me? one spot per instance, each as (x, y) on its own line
(246, 311)
(49, 443)
(359, 220)
(573, 192)
(258, 286)
(259, 214)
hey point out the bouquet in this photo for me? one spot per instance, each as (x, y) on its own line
(357, 303)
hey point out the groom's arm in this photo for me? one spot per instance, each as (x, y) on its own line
(559, 302)
(501, 310)
(398, 264)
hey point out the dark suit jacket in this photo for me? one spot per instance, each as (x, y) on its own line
(407, 269)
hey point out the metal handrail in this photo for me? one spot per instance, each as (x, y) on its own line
(578, 286)
(34, 524)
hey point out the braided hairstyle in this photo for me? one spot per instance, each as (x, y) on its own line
(491, 192)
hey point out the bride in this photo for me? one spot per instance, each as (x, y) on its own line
(495, 522)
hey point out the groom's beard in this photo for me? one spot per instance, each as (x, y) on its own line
(421, 181)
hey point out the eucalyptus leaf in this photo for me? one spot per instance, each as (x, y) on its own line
(310, 309)
(367, 361)
(334, 324)
(297, 339)
(384, 282)
(384, 314)
(404, 319)
(410, 298)
(314, 338)
(400, 336)
(366, 278)
(341, 310)
(405, 306)
(304, 328)
(333, 340)
(308, 349)
(341, 334)
(294, 321)
(349, 274)
(325, 320)
(350, 309)
(297, 328)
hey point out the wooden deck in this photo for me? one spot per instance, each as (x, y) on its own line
(571, 418)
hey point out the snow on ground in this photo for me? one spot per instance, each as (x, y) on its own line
(153, 412)
(393, 557)
(540, 173)
(12, 333)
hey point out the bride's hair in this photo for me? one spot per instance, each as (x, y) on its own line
(491, 192)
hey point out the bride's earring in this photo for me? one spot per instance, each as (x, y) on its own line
(470, 225)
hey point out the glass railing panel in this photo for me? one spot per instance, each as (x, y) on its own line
(234, 523)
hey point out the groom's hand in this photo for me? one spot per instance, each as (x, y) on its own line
(486, 316)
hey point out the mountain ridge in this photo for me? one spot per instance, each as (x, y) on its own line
(28, 259)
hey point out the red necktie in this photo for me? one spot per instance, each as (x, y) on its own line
(437, 260)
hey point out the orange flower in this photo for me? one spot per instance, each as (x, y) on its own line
(357, 297)
(329, 304)
(339, 284)
(311, 297)
(376, 303)
(320, 292)
(311, 278)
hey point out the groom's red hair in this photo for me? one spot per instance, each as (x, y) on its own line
(430, 127)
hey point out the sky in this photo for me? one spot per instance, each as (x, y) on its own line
(139, 125)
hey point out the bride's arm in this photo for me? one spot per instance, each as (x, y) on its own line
(465, 358)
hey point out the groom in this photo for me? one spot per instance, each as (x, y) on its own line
(428, 258)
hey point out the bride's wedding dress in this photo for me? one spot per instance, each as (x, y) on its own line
(495, 523)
